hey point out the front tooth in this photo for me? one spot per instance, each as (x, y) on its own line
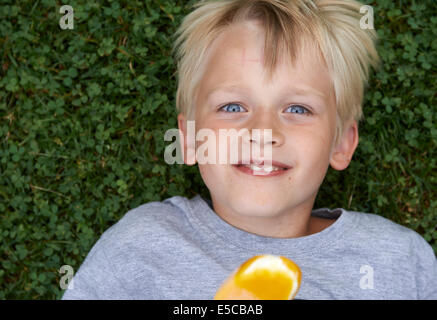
(265, 169)
(268, 169)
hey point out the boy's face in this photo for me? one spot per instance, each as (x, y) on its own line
(298, 106)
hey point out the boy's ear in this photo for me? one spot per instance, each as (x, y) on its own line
(342, 154)
(187, 143)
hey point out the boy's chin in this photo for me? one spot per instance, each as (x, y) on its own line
(256, 206)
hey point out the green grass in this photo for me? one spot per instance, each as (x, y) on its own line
(83, 113)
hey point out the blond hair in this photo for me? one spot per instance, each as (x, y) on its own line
(333, 26)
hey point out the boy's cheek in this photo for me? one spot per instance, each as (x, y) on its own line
(215, 177)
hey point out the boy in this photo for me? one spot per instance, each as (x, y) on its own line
(297, 68)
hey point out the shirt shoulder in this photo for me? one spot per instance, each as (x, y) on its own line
(374, 229)
(149, 222)
(129, 250)
(396, 246)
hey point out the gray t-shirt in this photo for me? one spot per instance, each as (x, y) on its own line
(181, 249)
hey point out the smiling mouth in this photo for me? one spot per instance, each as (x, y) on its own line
(260, 169)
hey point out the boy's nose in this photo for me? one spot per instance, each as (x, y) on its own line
(264, 135)
(264, 138)
(264, 122)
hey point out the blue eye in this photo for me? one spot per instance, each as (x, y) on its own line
(231, 107)
(298, 109)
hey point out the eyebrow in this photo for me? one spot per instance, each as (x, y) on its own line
(298, 91)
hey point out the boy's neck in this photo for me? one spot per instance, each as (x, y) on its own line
(293, 224)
